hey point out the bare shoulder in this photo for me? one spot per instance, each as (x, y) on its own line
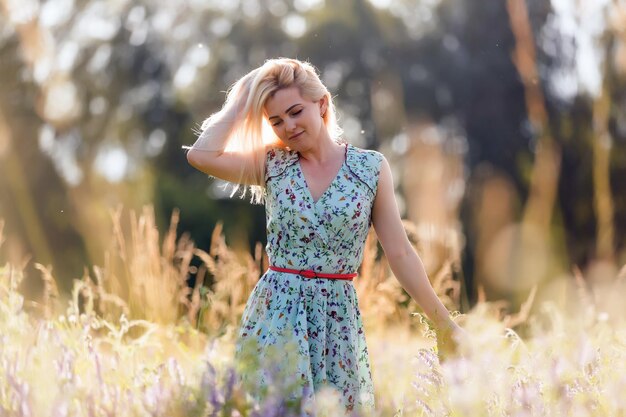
(386, 215)
(385, 176)
(385, 201)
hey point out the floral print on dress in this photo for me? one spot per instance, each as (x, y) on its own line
(319, 318)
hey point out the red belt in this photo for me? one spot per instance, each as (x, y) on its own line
(312, 274)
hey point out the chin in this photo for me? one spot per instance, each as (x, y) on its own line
(295, 143)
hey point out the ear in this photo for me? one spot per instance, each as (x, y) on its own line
(323, 103)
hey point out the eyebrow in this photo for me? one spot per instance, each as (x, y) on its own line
(286, 111)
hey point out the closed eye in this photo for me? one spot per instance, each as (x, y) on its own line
(294, 114)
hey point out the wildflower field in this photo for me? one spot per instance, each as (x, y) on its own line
(154, 347)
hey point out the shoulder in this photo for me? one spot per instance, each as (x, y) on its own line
(365, 164)
(277, 160)
(369, 157)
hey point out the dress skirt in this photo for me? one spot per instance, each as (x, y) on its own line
(303, 335)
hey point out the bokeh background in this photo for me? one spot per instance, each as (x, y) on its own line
(504, 122)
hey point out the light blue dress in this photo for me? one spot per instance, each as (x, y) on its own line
(312, 325)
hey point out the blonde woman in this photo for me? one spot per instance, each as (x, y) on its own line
(277, 137)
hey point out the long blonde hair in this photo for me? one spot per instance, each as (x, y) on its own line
(253, 132)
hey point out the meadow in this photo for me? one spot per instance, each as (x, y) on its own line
(134, 339)
(504, 124)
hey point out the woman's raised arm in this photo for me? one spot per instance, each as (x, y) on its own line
(208, 153)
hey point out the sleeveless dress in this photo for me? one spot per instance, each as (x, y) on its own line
(301, 333)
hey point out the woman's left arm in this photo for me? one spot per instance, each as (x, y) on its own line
(404, 261)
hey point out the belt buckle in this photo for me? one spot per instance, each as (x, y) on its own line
(307, 273)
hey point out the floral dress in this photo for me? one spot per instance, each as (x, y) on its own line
(312, 327)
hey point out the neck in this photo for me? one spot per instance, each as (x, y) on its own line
(323, 151)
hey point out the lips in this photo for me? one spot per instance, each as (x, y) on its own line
(296, 135)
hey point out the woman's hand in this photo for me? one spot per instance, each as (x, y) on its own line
(449, 337)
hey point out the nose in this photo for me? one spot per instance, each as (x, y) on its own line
(290, 125)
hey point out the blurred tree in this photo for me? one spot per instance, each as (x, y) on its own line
(97, 98)
(33, 196)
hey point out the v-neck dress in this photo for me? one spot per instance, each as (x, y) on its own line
(312, 326)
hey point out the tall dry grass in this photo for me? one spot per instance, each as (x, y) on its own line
(146, 276)
(571, 363)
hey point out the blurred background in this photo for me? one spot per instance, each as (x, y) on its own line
(504, 123)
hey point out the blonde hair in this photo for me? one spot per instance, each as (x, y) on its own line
(252, 131)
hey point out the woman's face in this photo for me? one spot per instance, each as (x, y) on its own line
(296, 121)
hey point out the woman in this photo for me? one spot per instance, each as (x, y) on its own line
(321, 195)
